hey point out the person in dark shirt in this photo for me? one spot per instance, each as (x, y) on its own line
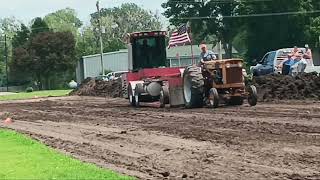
(145, 53)
(293, 58)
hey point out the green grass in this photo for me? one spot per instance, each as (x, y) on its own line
(35, 94)
(23, 158)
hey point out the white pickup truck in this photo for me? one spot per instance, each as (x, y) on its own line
(270, 62)
(113, 75)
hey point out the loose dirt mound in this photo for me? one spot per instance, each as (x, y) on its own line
(93, 87)
(279, 87)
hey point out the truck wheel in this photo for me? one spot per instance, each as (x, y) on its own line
(253, 96)
(132, 100)
(213, 98)
(124, 88)
(164, 96)
(193, 87)
(137, 94)
(236, 101)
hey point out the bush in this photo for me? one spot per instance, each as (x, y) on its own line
(29, 89)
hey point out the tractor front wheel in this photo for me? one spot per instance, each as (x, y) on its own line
(213, 98)
(253, 96)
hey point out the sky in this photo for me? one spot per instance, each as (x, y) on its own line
(26, 10)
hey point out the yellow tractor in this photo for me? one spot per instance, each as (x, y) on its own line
(217, 82)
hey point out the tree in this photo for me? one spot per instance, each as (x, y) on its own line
(239, 22)
(47, 54)
(20, 56)
(275, 31)
(21, 60)
(312, 30)
(64, 20)
(86, 42)
(38, 26)
(216, 25)
(119, 21)
(9, 27)
(22, 36)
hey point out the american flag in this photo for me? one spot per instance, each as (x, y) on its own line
(180, 37)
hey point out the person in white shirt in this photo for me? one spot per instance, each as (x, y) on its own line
(306, 59)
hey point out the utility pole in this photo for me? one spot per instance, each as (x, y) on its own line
(6, 59)
(219, 50)
(100, 34)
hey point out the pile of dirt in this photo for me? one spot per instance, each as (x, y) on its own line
(279, 87)
(99, 88)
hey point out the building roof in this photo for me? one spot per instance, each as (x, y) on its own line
(186, 50)
(108, 53)
(183, 51)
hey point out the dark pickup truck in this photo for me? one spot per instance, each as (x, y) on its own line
(270, 62)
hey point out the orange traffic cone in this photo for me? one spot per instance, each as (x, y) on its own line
(8, 121)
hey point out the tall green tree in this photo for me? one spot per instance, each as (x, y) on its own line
(119, 21)
(38, 26)
(22, 36)
(277, 30)
(19, 43)
(312, 30)
(64, 20)
(207, 17)
(87, 42)
(9, 27)
(47, 54)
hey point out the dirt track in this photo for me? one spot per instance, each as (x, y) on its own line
(270, 141)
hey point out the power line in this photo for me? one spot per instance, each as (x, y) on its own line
(257, 15)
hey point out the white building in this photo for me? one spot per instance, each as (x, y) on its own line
(90, 66)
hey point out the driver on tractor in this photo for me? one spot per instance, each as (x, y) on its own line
(207, 55)
(145, 50)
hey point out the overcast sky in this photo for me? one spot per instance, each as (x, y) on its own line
(26, 10)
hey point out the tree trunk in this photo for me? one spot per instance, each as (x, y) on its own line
(39, 82)
(47, 82)
(229, 50)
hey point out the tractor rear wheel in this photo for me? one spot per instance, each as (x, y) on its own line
(193, 87)
(253, 95)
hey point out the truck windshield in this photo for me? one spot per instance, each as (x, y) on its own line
(149, 52)
(270, 60)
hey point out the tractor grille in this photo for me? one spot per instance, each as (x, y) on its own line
(234, 75)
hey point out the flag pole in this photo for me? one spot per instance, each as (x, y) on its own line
(191, 40)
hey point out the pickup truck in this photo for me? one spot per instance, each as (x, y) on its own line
(112, 75)
(270, 62)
